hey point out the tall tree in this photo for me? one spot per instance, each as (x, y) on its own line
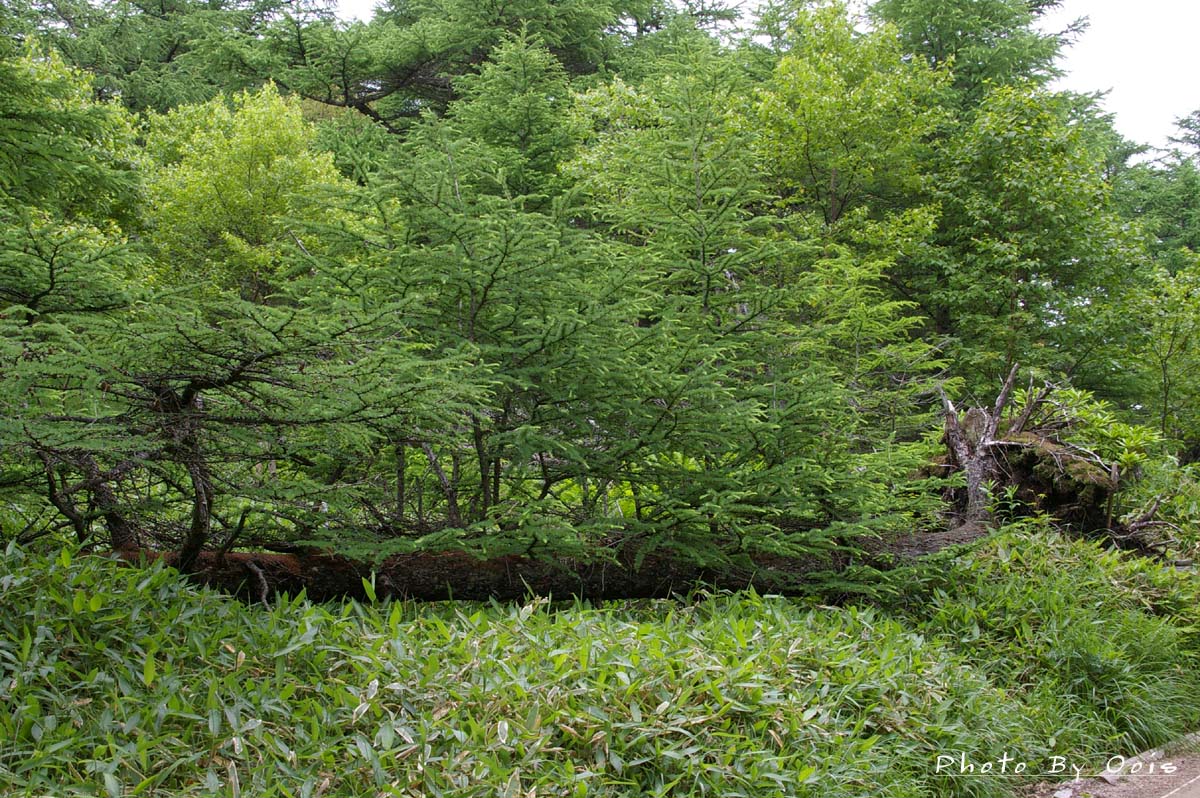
(64, 175)
(841, 129)
(155, 54)
(670, 172)
(1163, 196)
(1031, 260)
(845, 118)
(518, 104)
(226, 179)
(543, 314)
(173, 411)
(405, 62)
(983, 42)
(61, 150)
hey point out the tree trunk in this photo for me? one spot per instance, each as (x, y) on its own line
(1046, 473)
(121, 532)
(449, 485)
(201, 524)
(454, 575)
(401, 477)
(971, 440)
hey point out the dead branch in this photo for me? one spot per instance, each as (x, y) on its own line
(1018, 426)
(993, 423)
(263, 589)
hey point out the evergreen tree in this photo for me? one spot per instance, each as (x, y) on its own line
(155, 55)
(671, 172)
(408, 59)
(517, 103)
(984, 43)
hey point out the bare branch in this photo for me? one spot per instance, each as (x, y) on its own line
(263, 589)
(993, 423)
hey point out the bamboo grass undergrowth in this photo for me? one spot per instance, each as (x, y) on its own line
(128, 681)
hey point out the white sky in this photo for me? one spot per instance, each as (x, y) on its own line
(1145, 53)
(356, 9)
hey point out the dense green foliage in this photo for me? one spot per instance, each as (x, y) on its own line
(582, 281)
(128, 679)
(549, 278)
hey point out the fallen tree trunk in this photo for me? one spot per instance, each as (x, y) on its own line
(438, 576)
(324, 576)
(994, 450)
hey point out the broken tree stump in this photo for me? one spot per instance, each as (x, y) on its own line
(1045, 472)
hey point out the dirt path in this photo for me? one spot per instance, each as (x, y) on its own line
(1173, 772)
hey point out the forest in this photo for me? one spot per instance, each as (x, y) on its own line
(651, 289)
(532, 300)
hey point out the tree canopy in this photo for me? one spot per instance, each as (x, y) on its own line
(565, 280)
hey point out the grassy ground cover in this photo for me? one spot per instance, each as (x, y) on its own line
(124, 681)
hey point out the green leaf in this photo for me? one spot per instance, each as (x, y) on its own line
(149, 670)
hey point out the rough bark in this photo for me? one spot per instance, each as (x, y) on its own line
(455, 575)
(103, 503)
(326, 576)
(1044, 472)
(56, 495)
(201, 523)
(972, 442)
(122, 532)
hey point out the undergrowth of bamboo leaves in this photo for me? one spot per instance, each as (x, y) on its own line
(128, 681)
